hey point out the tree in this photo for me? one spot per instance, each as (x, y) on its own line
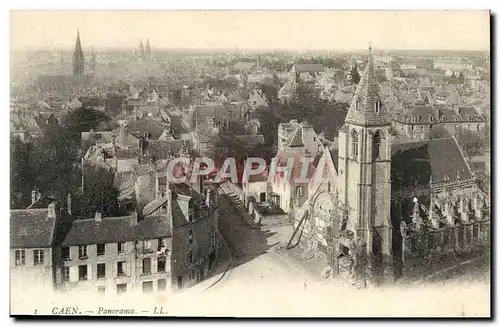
(438, 132)
(470, 142)
(99, 193)
(21, 174)
(355, 77)
(84, 120)
(461, 78)
(55, 163)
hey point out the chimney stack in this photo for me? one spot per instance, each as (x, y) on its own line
(68, 203)
(98, 216)
(52, 210)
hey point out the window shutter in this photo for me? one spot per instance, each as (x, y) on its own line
(154, 266)
(128, 268)
(89, 272)
(73, 274)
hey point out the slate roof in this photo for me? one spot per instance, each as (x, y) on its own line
(145, 124)
(417, 163)
(31, 228)
(116, 229)
(362, 109)
(162, 149)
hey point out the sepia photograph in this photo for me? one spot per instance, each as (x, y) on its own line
(324, 163)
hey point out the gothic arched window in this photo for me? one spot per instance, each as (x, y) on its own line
(376, 144)
(378, 105)
(354, 146)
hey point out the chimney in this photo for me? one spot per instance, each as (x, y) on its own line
(98, 216)
(134, 218)
(33, 196)
(52, 210)
(207, 201)
(68, 203)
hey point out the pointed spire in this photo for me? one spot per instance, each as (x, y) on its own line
(370, 52)
(78, 62)
(366, 106)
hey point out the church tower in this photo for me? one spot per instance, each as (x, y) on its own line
(148, 49)
(365, 166)
(141, 49)
(78, 62)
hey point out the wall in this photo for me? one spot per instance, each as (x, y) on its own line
(29, 276)
(203, 243)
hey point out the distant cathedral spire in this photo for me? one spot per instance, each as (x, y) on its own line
(148, 48)
(141, 48)
(78, 61)
(92, 59)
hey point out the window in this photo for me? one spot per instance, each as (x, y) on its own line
(192, 275)
(65, 253)
(456, 126)
(121, 289)
(161, 240)
(413, 119)
(162, 284)
(101, 270)
(147, 287)
(101, 290)
(190, 236)
(101, 249)
(475, 232)
(146, 246)
(38, 257)
(65, 274)
(120, 268)
(376, 145)
(189, 257)
(146, 266)
(162, 263)
(329, 186)
(298, 190)
(82, 272)
(378, 105)
(356, 105)
(121, 247)
(20, 258)
(478, 127)
(82, 251)
(412, 128)
(455, 118)
(354, 146)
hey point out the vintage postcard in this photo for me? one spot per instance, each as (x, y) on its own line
(250, 163)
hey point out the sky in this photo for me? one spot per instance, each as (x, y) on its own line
(259, 30)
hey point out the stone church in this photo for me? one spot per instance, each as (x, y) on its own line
(370, 185)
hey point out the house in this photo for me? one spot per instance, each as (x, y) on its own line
(35, 235)
(306, 72)
(257, 99)
(170, 245)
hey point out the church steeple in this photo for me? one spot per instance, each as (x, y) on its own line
(148, 48)
(141, 48)
(366, 108)
(78, 61)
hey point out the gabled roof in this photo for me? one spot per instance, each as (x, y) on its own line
(31, 228)
(419, 163)
(116, 229)
(146, 124)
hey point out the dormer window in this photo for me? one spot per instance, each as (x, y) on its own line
(413, 119)
(455, 118)
(431, 118)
